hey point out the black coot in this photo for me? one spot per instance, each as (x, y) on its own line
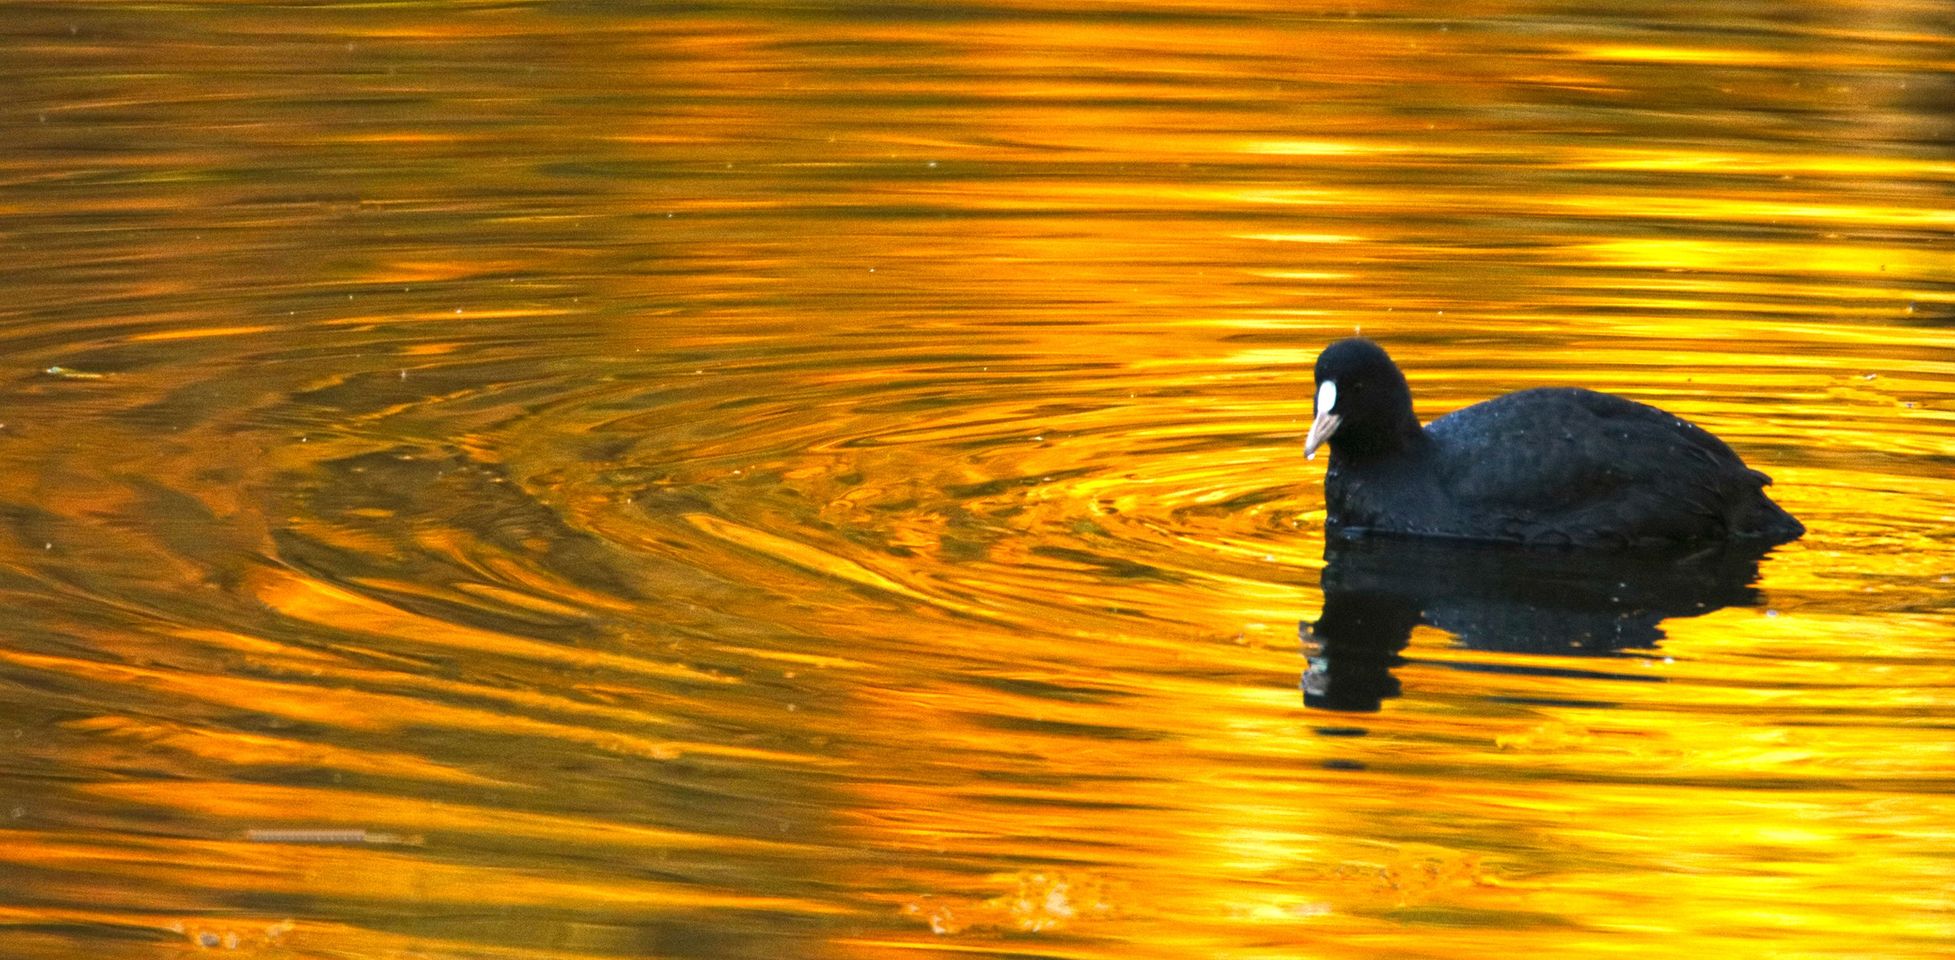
(1554, 465)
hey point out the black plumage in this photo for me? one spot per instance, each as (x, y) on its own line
(1557, 465)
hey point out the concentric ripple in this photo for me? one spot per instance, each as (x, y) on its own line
(750, 481)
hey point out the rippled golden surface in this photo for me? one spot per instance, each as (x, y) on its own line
(571, 481)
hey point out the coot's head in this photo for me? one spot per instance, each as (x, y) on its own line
(1363, 404)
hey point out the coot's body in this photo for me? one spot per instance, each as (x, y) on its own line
(1558, 466)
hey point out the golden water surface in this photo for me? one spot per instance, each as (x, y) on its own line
(742, 480)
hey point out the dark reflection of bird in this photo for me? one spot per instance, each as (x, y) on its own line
(1501, 597)
(1559, 466)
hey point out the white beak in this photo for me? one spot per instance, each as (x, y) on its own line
(1320, 431)
(1326, 422)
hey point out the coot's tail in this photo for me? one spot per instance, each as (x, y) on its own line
(1765, 520)
(1777, 526)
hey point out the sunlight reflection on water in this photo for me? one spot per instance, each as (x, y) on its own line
(540, 482)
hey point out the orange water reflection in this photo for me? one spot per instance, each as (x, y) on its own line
(528, 482)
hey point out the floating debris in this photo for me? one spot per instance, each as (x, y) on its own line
(229, 939)
(67, 374)
(1042, 902)
(330, 836)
